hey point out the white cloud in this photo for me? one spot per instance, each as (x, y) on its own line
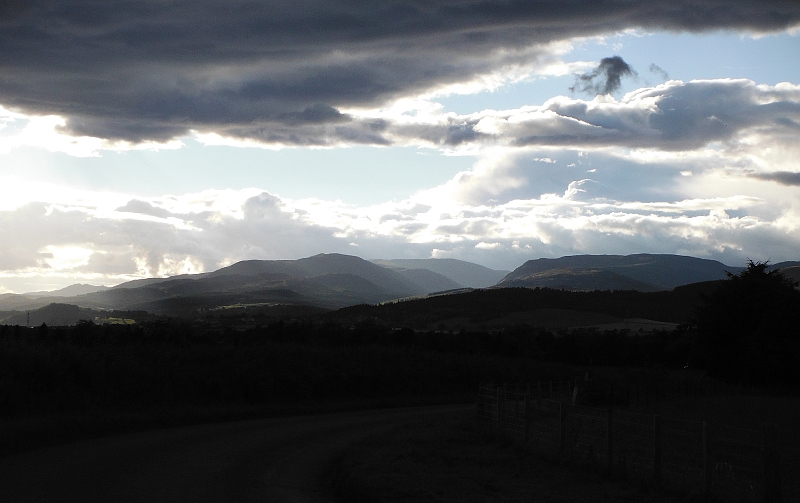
(754, 122)
(65, 246)
(527, 194)
(65, 257)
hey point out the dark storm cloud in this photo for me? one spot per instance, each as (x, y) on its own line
(654, 68)
(153, 69)
(605, 79)
(782, 177)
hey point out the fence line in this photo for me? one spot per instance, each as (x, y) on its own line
(725, 461)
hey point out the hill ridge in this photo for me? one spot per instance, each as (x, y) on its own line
(662, 271)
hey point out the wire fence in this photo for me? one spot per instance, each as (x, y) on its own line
(729, 463)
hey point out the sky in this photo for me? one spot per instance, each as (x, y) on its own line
(154, 137)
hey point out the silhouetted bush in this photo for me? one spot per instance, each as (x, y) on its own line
(750, 328)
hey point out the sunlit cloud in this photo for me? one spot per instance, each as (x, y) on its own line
(47, 132)
(699, 167)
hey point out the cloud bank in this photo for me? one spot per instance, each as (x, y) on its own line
(282, 72)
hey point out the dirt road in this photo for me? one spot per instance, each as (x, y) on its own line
(270, 460)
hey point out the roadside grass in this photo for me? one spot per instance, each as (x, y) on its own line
(55, 391)
(751, 409)
(32, 431)
(453, 460)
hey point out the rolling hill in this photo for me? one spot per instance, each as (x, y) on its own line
(643, 272)
(70, 291)
(464, 274)
(495, 308)
(56, 314)
(326, 280)
(580, 280)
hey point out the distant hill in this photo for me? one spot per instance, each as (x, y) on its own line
(57, 314)
(136, 283)
(580, 280)
(429, 280)
(15, 301)
(465, 274)
(792, 272)
(69, 291)
(326, 263)
(785, 264)
(642, 272)
(52, 315)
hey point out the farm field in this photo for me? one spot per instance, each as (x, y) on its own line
(454, 461)
(458, 460)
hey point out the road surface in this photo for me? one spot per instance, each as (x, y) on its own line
(269, 460)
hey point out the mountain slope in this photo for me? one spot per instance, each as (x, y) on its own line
(325, 280)
(580, 280)
(69, 291)
(464, 273)
(324, 264)
(430, 281)
(659, 271)
(792, 272)
(784, 265)
(15, 301)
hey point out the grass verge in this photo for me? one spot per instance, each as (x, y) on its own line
(453, 460)
(33, 431)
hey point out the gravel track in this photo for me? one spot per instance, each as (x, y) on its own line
(273, 460)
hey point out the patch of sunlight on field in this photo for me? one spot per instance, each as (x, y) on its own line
(115, 321)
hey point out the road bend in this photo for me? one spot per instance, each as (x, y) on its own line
(267, 460)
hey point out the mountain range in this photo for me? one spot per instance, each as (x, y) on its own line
(325, 280)
(334, 281)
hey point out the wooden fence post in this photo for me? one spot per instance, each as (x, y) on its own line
(499, 398)
(772, 470)
(610, 440)
(657, 449)
(478, 404)
(561, 432)
(707, 473)
(527, 416)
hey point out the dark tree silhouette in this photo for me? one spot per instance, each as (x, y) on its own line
(750, 327)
